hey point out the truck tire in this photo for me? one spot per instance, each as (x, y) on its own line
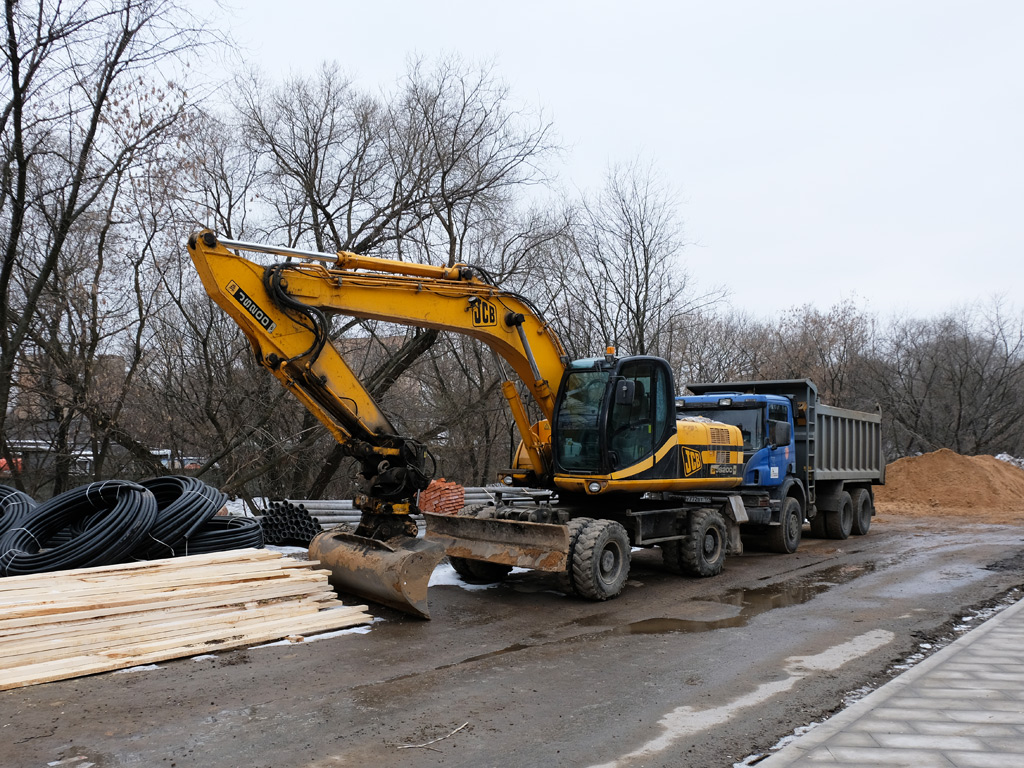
(702, 552)
(838, 524)
(862, 511)
(565, 579)
(818, 526)
(479, 571)
(785, 537)
(600, 563)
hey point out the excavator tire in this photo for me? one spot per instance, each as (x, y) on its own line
(461, 566)
(702, 552)
(565, 579)
(600, 563)
(862, 510)
(479, 571)
(671, 555)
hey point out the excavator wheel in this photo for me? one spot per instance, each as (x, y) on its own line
(565, 580)
(702, 552)
(479, 571)
(600, 562)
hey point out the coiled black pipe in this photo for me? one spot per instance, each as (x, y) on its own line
(221, 533)
(184, 504)
(14, 505)
(122, 514)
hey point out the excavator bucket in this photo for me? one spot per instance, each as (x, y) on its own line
(390, 573)
(540, 546)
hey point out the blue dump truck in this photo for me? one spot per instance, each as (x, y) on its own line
(803, 460)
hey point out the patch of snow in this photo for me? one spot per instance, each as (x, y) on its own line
(360, 630)
(445, 576)
(140, 668)
(1019, 463)
(287, 550)
(204, 657)
(239, 508)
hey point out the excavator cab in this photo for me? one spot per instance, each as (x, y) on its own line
(612, 416)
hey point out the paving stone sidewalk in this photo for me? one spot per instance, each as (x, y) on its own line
(963, 707)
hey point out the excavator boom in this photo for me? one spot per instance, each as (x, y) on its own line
(284, 309)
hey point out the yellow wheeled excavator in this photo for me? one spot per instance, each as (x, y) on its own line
(609, 444)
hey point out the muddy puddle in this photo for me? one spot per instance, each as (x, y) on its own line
(748, 603)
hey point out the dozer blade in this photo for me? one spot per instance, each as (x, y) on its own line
(540, 546)
(390, 573)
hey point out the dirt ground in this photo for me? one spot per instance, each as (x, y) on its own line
(706, 673)
(675, 672)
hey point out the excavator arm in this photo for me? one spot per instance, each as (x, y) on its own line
(284, 309)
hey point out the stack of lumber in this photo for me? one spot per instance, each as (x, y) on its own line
(65, 624)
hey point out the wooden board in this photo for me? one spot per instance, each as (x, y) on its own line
(79, 622)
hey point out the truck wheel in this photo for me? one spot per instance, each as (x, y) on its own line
(479, 571)
(818, 526)
(785, 537)
(862, 511)
(838, 524)
(600, 564)
(565, 579)
(702, 552)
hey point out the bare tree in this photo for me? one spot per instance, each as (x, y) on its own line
(625, 284)
(955, 382)
(80, 108)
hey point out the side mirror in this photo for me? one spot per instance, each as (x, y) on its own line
(625, 392)
(779, 433)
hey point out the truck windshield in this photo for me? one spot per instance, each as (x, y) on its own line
(576, 444)
(749, 420)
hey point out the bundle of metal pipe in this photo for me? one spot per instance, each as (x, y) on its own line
(289, 524)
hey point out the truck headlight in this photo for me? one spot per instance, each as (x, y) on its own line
(594, 487)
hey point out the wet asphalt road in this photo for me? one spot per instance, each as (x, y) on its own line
(676, 672)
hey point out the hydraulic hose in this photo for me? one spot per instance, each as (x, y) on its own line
(184, 504)
(119, 513)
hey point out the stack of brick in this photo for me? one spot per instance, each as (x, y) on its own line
(442, 498)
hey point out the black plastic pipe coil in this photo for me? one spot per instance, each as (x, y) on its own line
(222, 533)
(121, 514)
(115, 521)
(14, 505)
(185, 504)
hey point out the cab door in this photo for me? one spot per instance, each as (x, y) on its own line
(641, 414)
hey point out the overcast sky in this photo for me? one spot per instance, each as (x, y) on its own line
(821, 150)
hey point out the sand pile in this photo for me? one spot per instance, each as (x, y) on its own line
(946, 483)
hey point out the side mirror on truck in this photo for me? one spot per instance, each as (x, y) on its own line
(779, 433)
